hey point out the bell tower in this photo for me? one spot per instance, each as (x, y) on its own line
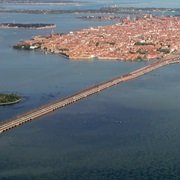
(52, 33)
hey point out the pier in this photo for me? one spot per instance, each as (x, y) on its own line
(14, 122)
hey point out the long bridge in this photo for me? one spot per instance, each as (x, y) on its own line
(31, 115)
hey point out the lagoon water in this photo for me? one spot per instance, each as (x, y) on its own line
(130, 131)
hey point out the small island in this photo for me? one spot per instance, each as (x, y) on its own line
(27, 26)
(8, 99)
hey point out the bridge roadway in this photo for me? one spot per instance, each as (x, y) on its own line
(7, 125)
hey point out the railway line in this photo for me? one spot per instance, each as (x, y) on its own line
(16, 121)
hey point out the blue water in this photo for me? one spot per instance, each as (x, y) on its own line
(130, 131)
(92, 4)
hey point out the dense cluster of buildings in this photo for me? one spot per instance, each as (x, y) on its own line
(100, 18)
(143, 38)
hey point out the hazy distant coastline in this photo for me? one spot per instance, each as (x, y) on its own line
(104, 10)
(38, 2)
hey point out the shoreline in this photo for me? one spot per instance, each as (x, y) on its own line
(43, 110)
(103, 10)
(26, 26)
(8, 99)
(10, 103)
(111, 42)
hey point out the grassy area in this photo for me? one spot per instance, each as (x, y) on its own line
(9, 99)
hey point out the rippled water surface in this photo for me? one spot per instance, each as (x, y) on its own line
(130, 131)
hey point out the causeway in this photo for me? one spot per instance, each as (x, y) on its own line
(16, 121)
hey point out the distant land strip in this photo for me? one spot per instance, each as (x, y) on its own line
(104, 10)
(27, 26)
(37, 2)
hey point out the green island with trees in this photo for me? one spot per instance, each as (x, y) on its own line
(8, 99)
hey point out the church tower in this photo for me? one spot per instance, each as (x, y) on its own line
(52, 33)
